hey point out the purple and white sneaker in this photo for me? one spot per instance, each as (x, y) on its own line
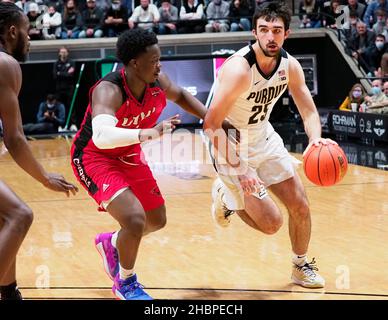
(108, 253)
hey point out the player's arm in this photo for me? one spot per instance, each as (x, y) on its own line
(234, 79)
(191, 104)
(305, 103)
(14, 139)
(106, 101)
(182, 97)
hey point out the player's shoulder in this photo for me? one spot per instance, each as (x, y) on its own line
(236, 66)
(293, 62)
(107, 87)
(9, 67)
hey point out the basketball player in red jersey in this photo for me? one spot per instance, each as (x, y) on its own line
(15, 216)
(107, 157)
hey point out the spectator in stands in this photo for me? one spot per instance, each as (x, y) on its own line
(145, 16)
(376, 98)
(357, 44)
(217, 13)
(63, 75)
(382, 72)
(374, 53)
(382, 106)
(129, 5)
(354, 5)
(192, 17)
(50, 116)
(168, 18)
(24, 5)
(379, 26)
(116, 19)
(58, 4)
(309, 14)
(52, 21)
(240, 12)
(350, 25)
(92, 21)
(354, 99)
(35, 31)
(104, 5)
(330, 13)
(370, 17)
(72, 21)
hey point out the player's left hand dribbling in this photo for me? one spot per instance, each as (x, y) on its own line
(57, 182)
(316, 142)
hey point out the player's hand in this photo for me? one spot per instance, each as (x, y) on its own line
(232, 133)
(57, 182)
(161, 128)
(316, 142)
(250, 182)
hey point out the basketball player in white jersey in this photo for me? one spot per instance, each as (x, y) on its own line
(249, 84)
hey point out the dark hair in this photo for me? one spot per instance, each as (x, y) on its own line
(134, 42)
(51, 97)
(10, 14)
(271, 11)
(353, 13)
(380, 35)
(380, 12)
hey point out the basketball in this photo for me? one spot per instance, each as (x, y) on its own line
(325, 165)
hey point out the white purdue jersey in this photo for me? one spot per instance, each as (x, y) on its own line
(252, 109)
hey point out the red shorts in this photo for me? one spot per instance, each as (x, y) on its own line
(103, 177)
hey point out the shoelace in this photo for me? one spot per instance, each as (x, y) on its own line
(133, 286)
(308, 268)
(227, 212)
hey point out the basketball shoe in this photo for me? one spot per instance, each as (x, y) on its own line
(306, 276)
(109, 254)
(220, 213)
(12, 295)
(129, 289)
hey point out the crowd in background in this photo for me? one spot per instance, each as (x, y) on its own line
(363, 24)
(71, 19)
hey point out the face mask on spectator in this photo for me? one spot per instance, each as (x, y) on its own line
(217, 2)
(50, 106)
(145, 7)
(356, 94)
(70, 8)
(376, 91)
(116, 6)
(379, 44)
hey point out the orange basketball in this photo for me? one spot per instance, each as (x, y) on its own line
(325, 165)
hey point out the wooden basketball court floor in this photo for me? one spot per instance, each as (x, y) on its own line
(192, 258)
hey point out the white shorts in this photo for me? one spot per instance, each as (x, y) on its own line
(273, 164)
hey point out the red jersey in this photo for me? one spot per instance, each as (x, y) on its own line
(131, 115)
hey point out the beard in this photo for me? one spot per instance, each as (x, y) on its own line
(20, 53)
(267, 53)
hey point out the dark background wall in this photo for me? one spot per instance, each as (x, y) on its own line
(335, 78)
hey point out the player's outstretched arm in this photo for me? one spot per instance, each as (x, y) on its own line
(106, 101)
(14, 139)
(182, 97)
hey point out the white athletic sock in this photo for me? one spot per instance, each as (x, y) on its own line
(114, 239)
(299, 260)
(125, 273)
